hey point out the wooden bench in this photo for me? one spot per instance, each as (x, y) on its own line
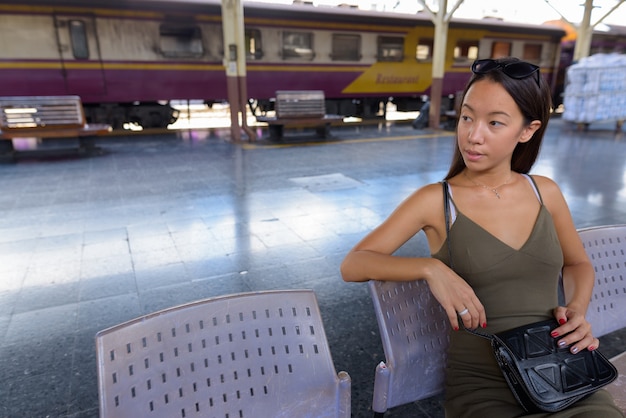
(45, 117)
(299, 108)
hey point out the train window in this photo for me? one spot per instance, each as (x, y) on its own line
(500, 49)
(298, 45)
(466, 50)
(424, 50)
(180, 40)
(390, 48)
(254, 48)
(532, 52)
(346, 47)
(78, 37)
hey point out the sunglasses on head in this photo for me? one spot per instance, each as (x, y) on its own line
(517, 70)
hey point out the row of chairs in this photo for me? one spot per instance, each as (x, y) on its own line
(266, 353)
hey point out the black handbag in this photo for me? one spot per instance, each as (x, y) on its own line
(542, 375)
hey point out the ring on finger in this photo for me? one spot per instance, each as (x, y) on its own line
(464, 312)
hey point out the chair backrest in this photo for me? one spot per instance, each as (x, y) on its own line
(606, 247)
(414, 331)
(261, 354)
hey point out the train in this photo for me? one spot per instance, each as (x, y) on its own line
(130, 60)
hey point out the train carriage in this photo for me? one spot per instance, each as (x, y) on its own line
(128, 60)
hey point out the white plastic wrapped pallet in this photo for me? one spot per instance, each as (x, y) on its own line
(595, 89)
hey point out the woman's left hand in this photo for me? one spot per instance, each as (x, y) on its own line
(574, 330)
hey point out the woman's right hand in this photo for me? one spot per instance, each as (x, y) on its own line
(456, 296)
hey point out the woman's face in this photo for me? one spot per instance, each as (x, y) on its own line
(490, 126)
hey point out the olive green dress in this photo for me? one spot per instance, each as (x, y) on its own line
(516, 287)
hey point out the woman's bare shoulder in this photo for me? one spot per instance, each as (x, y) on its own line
(428, 194)
(546, 185)
(551, 194)
(543, 180)
(424, 205)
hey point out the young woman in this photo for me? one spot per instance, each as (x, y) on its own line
(511, 236)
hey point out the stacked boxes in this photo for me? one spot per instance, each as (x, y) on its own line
(595, 89)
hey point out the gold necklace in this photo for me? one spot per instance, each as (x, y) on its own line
(491, 189)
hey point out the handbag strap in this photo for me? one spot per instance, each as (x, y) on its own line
(446, 211)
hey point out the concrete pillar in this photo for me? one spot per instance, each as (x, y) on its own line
(235, 65)
(439, 63)
(441, 20)
(585, 33)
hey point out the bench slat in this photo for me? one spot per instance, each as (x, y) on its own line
(41, 112)
(300, 121)
(57, 132)
(300, 103)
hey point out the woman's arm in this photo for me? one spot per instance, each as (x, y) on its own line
(372, 258)
(578, 274)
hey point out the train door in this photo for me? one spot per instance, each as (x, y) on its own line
(80, 56)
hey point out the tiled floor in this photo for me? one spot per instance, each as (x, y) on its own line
(161, 220)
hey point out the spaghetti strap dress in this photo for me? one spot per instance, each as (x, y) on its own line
(516, 287)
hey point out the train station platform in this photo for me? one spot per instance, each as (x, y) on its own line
(161, 220)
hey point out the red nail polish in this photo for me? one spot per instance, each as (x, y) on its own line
(591, 348)
(456, 328)
(562, 321)
(484, 325)
(554, 334)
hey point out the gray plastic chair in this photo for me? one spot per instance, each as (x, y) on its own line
(414, 331)
(261, 354)
(606, 247)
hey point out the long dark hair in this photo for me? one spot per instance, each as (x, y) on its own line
(535, 103)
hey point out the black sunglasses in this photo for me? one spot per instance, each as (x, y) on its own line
(517, 70)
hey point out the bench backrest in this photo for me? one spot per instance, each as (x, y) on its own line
(300, 103)
(40, 112)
